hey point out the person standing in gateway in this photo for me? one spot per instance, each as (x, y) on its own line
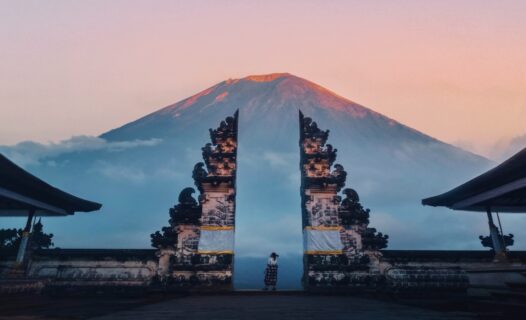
(271, 272)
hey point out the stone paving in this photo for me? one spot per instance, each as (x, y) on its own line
(279, 307)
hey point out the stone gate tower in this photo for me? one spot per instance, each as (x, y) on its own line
(339, 249)
(196, 251)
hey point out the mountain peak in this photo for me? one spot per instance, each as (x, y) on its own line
(266, 77)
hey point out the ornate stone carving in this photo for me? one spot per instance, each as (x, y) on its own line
(351, 211)
(372, 240)
(166, 239)
(199, 172)
(340, 249)
(185, 259)
(310, 130)
(187, 211)
(227, 129)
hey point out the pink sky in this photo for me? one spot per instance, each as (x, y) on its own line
(453, 69)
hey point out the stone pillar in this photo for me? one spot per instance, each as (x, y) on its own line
(201, 233)
(218, 193)
(26, 233)
(323, 247)
(496, 239)
(339, 250)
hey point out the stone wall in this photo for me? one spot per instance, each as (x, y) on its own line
(135, 271)
(485, 276)
(80, 269)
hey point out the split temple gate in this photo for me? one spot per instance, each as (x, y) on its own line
(340, 251)
(197, 249)
(195, 252)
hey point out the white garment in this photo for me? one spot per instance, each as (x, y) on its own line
(322, 240)
(272, 262)
(216, 241)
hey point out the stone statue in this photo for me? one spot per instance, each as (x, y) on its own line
(199, 172)
(187, 210)
(185, 197)
(351, 199)
(339, 175)
(351, 210)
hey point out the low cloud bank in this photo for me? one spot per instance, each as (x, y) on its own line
(33, 153)
(506, 148)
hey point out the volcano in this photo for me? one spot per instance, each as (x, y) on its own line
(273, 98)
(137, 170)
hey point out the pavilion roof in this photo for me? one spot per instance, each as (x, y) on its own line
(21, 191)
(502, 188)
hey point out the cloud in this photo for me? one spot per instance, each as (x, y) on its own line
(281, 160)
(33, 153)
(119, 172)
(498, 151)
(287, 164)
(504, 149)
(137, 173)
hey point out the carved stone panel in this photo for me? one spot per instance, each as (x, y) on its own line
(218, 210)
(322, 209)
(188, 243)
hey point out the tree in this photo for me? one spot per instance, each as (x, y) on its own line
(39, 239)
(10, 238)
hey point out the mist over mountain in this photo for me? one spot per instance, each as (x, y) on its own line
(506, 148)
(137, 171)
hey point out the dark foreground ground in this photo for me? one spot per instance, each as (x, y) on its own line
(245, 305)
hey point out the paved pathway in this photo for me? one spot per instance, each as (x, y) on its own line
(271, 307)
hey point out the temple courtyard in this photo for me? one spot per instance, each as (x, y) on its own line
(243, 305)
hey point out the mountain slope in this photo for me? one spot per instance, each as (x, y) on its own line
(275, 96)
(269, 106)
